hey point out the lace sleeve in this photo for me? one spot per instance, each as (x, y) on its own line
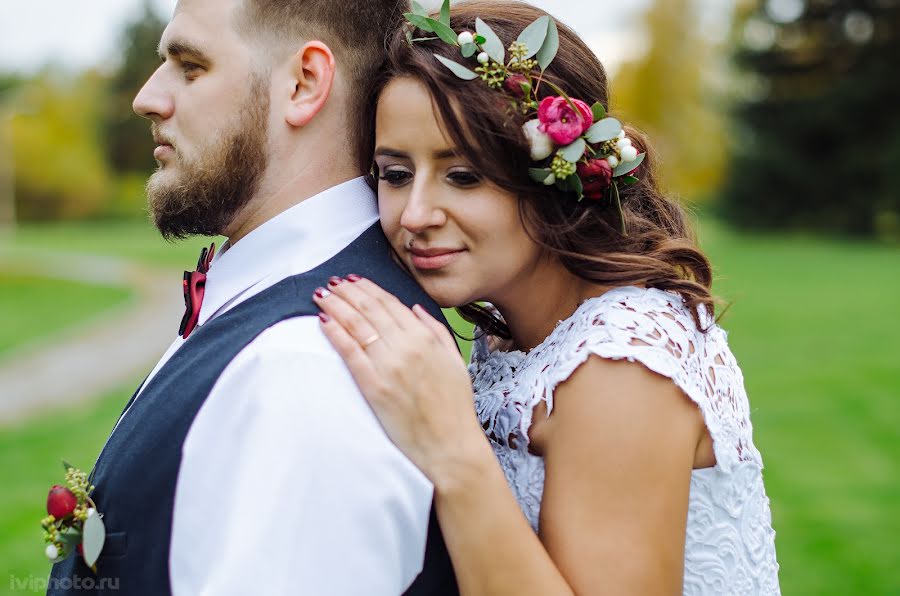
(655, 329)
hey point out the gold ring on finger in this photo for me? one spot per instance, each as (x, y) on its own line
(370, 341)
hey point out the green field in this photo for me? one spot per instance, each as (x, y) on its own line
(815, 325)
(33, 308)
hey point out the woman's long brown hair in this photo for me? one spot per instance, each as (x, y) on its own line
(659, 250)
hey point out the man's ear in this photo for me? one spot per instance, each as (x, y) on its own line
(313, 69)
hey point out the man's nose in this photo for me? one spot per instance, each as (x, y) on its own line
(153, 101)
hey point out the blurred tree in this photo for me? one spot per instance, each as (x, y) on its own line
(60, 168)
(667, 92)
(129, 145)
(817, 137)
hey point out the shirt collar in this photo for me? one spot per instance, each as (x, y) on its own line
(292, 242)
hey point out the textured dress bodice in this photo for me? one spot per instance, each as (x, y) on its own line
(730, 543)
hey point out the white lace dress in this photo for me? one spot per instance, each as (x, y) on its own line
(730, 544)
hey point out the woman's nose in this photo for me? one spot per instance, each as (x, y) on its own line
(423, 210)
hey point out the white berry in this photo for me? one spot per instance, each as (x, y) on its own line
(613, 161)
(621, 134)
(622, 143)
(629, 154)
(483, 58)
(465, 38)
(52, 552)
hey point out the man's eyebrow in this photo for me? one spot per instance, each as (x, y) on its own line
(177, 47)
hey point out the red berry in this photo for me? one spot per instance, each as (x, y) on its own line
(61, 502)
(513, 84)
(80, 549)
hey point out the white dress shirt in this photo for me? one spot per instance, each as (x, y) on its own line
(288, 484)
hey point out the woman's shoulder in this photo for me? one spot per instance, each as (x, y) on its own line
(636, 317)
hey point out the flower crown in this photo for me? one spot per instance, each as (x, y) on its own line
(576, 147)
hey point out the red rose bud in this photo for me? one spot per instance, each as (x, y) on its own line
(61, 502)
(596, 176)
(514, 84)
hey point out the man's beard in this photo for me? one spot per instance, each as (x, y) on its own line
(209, 191)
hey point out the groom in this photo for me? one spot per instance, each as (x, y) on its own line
(248, 462)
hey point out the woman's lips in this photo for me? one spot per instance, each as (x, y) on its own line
(429, 260)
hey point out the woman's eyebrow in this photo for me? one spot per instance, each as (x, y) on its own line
(439, 154)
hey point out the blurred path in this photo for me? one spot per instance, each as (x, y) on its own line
(96, 356)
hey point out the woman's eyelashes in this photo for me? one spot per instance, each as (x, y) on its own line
(396, 177)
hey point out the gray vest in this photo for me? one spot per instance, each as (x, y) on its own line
(136, 472)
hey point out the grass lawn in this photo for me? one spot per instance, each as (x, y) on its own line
(815, 325)
(33, 307)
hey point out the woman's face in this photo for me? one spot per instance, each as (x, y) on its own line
(460, 235)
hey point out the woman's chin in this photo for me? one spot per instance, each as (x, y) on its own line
(445, 292)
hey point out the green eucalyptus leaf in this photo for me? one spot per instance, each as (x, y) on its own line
(94, 537)
(457, 69)
(534, 35)
(550, 46)
(605, 130)
(445, 12)
(629, 180)
(444, 32)
(624, 168)
(419, 21)
(572, 153)
(480, 39)
(492, 44)
(70, 538)
(599, 111)
(469, 50)
(419, 9)
(67, 465)
(539, 174)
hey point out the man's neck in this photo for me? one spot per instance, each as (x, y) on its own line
(275, 198)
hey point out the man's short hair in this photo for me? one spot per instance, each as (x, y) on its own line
(355, 30)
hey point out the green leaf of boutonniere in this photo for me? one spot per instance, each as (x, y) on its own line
(443, 31)
(550, 46)
(599, 111)
(624, 168)
(572, 153)
(457, 69)
(492, 44)
(605, 130)
(445, 12)
(419, 21)
(67, 465)
(94, 537)
(534, 35)
(469, 50)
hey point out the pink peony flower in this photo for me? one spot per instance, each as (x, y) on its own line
(596, 177)
(61, 502)
(561, 122)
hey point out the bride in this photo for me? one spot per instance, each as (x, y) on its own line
(610, 448)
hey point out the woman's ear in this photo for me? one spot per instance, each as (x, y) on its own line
(313, 68)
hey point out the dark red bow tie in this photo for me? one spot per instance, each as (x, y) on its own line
(194, 285)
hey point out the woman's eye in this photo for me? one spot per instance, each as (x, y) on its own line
(464, 179)
(396, 177)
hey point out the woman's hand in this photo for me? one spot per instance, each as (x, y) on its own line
(408, 367)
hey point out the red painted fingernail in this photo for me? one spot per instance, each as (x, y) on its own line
(353, 277)
(322, 293)
(323, 317)
(333, 281)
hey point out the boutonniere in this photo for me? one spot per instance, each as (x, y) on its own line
(73, 524)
